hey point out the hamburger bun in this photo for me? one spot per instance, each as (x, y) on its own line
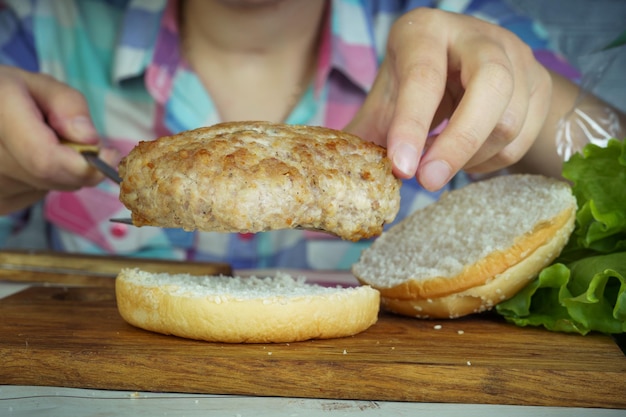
(258, 176)
(473, 248)
(275, 309)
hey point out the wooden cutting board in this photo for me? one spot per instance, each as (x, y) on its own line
(92, 270)
(74, 337)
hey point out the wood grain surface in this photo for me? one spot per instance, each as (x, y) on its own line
(74, 337)
(92, 270)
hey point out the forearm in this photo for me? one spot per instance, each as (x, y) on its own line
(543, 157)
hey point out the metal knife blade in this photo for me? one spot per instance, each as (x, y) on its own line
(90, 153)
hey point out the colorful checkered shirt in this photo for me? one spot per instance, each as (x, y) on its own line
(124, 56)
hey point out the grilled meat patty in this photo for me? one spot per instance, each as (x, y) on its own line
(259, 176)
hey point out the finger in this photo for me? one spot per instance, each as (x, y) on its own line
(506, 157)
(30, 149)
(509, 126)
(10, 186)
(19, 201)
(64, 108)
(489, 89)
(421, 70)
(15, 179)
(537, 110)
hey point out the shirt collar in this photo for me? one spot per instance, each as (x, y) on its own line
(347, 44)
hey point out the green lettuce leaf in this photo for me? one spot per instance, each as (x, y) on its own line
(586, 295)
(584, 289)
(599, 185)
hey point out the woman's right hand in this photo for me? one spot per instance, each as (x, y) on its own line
(35, 110)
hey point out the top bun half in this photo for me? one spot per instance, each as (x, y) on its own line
(469, 237)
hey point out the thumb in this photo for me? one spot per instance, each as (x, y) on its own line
(371, 122)
(64, 108)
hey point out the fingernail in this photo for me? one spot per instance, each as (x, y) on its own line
(435, 174)
(83, 128)
(405, 159)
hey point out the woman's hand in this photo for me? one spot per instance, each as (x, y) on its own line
(35, 110)
(441, 66)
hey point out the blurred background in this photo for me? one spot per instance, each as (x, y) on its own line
(577, 28)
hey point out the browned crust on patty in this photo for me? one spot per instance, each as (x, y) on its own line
(258, 176)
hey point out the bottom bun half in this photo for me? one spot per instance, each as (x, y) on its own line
(277, 309)
(484, 297)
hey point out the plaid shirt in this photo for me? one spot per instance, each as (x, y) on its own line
(124, 56)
